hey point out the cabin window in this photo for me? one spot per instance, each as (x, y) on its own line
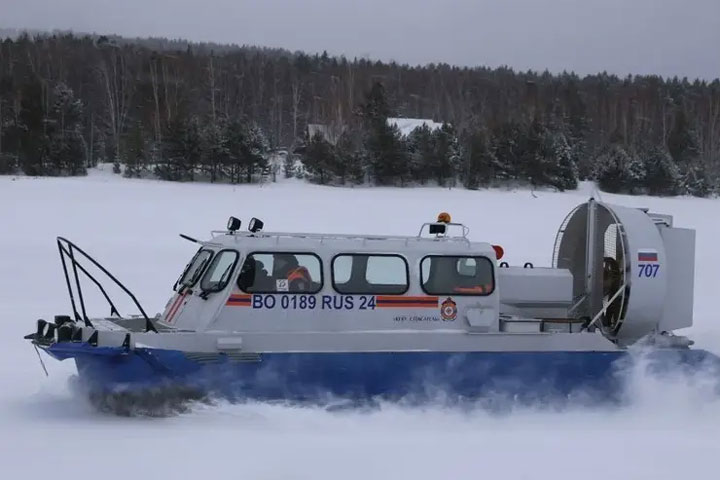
(281, 273)
(194, 269)
(370, 274)
(219, 272)
(457, 275)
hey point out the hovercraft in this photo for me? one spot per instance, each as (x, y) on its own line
(307, 316)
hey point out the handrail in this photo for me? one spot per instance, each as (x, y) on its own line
(113, 309)
(67, 280)
(332, 236)
(603, 310)
(465, 230)
(69, 251)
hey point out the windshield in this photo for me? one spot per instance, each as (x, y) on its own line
(195, 268)
(219, 272)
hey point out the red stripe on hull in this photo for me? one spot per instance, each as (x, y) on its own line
(175, 307)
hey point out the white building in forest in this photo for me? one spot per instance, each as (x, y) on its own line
(332, 133)
(407, 125)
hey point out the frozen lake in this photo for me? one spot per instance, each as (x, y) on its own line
(131, 226)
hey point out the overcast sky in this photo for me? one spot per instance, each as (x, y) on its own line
(667, 37)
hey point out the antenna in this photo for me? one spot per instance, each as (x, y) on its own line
(188, 238)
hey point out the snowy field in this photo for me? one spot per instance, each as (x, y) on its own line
(131, 226)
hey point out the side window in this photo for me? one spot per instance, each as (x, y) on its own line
(195, 268)
(357, 274)
(281, 273)
(219, 272)
(457, 275)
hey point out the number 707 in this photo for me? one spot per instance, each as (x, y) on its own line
(648, 270)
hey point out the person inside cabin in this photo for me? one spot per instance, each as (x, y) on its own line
(470, 277)
(463, 275)
(253, 276)
(246, 279)
(297, 276)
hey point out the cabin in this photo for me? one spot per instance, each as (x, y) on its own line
(260, 281)
(304, 282)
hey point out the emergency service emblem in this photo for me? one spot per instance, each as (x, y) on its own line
(448, 310)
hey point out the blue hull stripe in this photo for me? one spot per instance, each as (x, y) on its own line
(300, 376)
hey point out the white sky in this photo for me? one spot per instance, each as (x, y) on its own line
(667, 37)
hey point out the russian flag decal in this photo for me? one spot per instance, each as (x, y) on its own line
(647, 255)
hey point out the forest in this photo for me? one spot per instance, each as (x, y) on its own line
(185, 111)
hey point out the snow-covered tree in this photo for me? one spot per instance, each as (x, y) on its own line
(351, 155)
(320, 160)
(683, 142)
(248, 149)
(560, 171)
(447, 155)
(696, 180)
(619, 171)
(662, 174)
(479, 162)
(387, 155)
(420, 153)
(509, 145)
(215, 148)
(135, 152)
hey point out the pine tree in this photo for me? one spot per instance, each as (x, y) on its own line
(215, 151)
(181, 151)
(561, 170)
(248, 149)
(509, 151)
(446, 155)
(635, 174)
(696, 181)
(616, 171)
(135, 151)
(480, 161)
(663, 176)
(193, 149)
(386, 150)
(32, 141)
(536, 147)
(258, 148)
(66, 152)
(387, 155)
(420, 153)
(319, 159)
(351, 155)
(683, 143)
(376, 109)
(289, 165)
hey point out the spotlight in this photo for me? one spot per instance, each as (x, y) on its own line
(233, 224)
(255, 225)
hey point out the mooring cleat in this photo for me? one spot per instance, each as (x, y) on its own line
(64, 332)
(77, 335)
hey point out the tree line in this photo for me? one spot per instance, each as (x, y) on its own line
(193, 111)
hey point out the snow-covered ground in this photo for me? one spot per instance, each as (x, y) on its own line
(669, 431)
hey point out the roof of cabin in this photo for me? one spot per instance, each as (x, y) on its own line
(315, 242)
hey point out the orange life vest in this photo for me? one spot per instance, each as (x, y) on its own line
(298, 274)
(476, 289)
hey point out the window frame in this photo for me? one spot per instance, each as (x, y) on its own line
(207, 270)
(273, 292)
(460, 294)
(369, 254)
(179, 284)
